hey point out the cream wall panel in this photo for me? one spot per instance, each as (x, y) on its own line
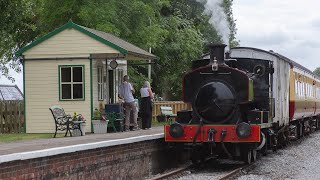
(69, 41)
(95, 85)
(42, 92)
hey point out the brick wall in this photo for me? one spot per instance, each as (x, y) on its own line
(129, 161)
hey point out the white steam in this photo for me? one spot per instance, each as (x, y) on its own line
(218, 18)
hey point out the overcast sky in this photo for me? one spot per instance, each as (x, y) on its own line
(289, 27)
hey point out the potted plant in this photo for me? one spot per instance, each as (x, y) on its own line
(79, 119)
(99, 122)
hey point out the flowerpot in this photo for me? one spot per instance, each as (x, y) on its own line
(100, 127)
(161, 118)
(76, 132)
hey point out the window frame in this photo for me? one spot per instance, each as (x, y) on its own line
(100, 84)
(60, 82)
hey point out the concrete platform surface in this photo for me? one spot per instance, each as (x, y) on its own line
(27, 149)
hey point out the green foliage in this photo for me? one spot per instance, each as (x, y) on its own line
(317, 71)
(17, 29)
(176, 30)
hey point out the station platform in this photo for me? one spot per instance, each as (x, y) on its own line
(28, 149)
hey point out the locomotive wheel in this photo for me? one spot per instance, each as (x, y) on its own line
(264, 150)
(275, 144)
(246, 155)
(253, 155)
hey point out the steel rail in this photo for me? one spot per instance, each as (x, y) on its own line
(172, 173)
(234, 172)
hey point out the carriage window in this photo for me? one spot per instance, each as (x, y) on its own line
(71, 83)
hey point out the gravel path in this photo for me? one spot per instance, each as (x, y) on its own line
(299, 160)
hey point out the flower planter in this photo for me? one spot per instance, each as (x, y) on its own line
(100, 127)
(76, 132)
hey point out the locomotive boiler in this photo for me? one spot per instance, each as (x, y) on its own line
(242, 104)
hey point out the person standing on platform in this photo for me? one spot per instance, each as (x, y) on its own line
(146, 105)
(126, 93)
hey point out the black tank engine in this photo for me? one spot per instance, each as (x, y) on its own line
(230, 100)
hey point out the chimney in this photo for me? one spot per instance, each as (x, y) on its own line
(217, 52)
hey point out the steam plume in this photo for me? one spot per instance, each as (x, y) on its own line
(218, 18)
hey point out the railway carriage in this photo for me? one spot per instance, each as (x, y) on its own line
(252, 100)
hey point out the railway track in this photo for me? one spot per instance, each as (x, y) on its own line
(179, 173)
(172, 173)
(234, 172)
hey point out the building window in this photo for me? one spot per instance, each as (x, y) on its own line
(100, 83)
(71, 82)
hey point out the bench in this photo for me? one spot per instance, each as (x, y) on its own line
(63, 122)
(167, 112)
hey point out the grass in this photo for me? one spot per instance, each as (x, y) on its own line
(5, 138)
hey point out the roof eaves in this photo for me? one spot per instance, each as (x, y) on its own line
(143, 55)
(68, 25)
(98, 38)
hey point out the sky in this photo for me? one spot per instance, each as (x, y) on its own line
(289, 27)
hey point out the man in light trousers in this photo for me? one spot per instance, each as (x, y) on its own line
(125, 92)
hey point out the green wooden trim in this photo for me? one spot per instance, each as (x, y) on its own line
(59, 90)
(84, 82)
(24, 98)
(70, 25)
(91, 93)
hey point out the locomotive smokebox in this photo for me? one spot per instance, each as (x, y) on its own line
(217, 52)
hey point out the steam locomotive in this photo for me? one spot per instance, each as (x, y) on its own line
(252, 100)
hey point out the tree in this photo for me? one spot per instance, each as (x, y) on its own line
(18, 27)
(176, 30)
(317, 71)
(227, 4)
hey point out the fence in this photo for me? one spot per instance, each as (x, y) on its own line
(175, 105)
(11, 116)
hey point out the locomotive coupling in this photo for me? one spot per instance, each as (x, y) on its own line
(211, 133)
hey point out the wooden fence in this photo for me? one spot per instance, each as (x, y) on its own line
(175, 105)
(11, 117)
